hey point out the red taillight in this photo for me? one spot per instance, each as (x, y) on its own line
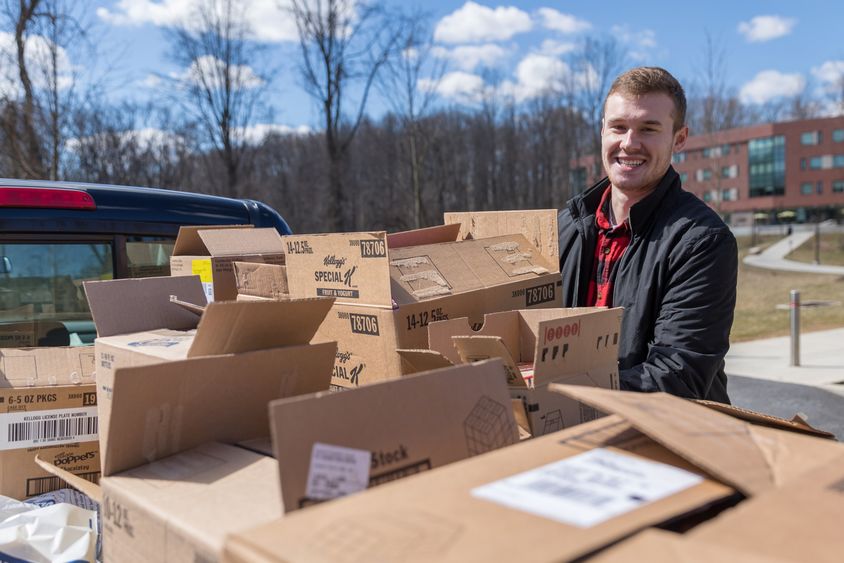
(53, 198)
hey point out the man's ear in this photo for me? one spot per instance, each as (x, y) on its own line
(680, 138)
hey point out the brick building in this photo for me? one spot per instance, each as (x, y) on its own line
(772, 172)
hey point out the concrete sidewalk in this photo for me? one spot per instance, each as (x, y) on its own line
(773, 257)
(821, 359)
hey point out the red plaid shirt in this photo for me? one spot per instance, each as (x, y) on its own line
(612, 242)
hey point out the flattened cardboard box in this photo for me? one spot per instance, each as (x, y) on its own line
(387, 297)
(182, 507)
(48, 408)
(538, 225)
(235, 344)
(210, 253)
(449, 515)
(395, 428)
(573, 346)
(255, 279)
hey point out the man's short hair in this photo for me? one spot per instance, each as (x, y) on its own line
(651, 80)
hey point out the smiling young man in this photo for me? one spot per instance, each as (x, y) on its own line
(637, 240)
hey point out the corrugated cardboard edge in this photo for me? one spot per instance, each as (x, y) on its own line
(795, 425)
(734, 457)
(430, 235)
(94, 491)
(242, 242)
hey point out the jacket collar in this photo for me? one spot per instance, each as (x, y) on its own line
(640, 213)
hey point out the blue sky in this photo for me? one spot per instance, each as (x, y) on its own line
(772, 48)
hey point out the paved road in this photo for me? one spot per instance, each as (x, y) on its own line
(822, 406)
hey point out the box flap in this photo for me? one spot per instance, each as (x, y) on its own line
(352, 267)
(720, 445)
(795, 425)
(402, 426)
(85, 486)
(659, 546)
(415, 361)
(539, 226)
(798, 522)
(136, 305)
(31, 367)
(504, 325)
(430, 235)
(240, 242)
(419, 273)
(477, 348)
(161, 409)
(188, 242)
(585, 343)
(229, 327)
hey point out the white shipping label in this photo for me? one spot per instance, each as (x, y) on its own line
(336, 471)
(589, 488)
(47, 428)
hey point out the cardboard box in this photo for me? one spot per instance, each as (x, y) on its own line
(174, 389)
(574, 346)
(386, 297)
(538, 225)
(181, 508)
(210, 252)
(48, 408)
(333, 444)
(556, 497)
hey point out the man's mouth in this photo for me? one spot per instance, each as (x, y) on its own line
(630, 162)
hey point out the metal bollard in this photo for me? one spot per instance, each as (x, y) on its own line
(794, 307)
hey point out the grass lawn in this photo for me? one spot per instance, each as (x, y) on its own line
(759, 291)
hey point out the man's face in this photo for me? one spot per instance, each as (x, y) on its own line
(638, 139)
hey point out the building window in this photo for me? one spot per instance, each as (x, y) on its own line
(729, 171)
(803, 164)
(713, 152)
(766, 166)
(806, 188)
(838, 161)
(838, 186)
(703, 174)
(678, 157)
(819, 187)
(684, 177)
(725, 149)
(838, 135)
(810, 138)
(729, 194)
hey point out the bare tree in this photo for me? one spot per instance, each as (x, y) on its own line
(595, 65)
(222, 86)
(409, 83)
(344, 44)
(38, 108)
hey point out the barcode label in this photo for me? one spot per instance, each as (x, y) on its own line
(589, 488)
(41, 485)
(47, 428)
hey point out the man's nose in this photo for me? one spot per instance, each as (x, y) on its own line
(630, 139)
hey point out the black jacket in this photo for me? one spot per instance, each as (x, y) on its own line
(676, 282)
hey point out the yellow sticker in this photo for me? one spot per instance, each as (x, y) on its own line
(202, 268)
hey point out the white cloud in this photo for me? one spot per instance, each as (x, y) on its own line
(254, 134)
(765, 28)
(148, 138)
(475, 23)
(536, 74)
(468, 57)
(268, 20)
(39, 63)
(830, 73)
(771, 84)
(462, 87)
(639, 43)
(564, 23)
(213, 70)
(555, 48)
